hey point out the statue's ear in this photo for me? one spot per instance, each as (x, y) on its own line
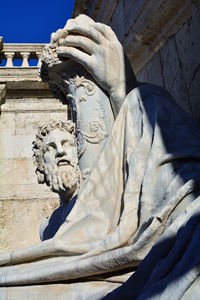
(40, 176)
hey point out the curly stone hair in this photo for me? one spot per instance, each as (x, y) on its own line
(37, 144)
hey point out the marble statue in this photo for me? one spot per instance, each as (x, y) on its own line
(133, 229)
(56, 159)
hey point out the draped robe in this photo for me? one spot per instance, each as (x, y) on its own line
(143, 189)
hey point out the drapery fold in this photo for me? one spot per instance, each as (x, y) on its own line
(145, 181)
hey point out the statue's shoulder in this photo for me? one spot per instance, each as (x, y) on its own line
(154, 100)
(146, 90)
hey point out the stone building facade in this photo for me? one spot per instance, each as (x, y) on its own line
(162, 41)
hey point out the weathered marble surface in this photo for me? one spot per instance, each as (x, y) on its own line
(91, 290)
(143, 191)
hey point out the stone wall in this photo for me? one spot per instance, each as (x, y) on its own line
(24, 203)
(177, 66)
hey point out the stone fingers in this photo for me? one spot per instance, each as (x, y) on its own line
(106, 31)
(74, 26)
(59, 34)
(84, 19)
(80, 42)
(75, 54)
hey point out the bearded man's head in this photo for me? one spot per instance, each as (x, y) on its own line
(55, 156)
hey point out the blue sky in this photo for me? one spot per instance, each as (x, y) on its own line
(33, 21)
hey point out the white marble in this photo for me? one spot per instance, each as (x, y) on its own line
(142, 190)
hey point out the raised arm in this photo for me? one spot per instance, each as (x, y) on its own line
(96, 47)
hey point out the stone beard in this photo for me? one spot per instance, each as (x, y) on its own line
(62, 177)
(56, 158)
(60, 162)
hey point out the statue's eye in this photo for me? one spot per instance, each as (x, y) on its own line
(67, 143)
(49, 147)
(64, 142)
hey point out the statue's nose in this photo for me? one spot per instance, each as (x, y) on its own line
(60, 150)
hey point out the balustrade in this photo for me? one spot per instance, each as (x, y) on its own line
(25, 52)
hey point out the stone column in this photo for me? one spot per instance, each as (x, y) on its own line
(39, 58)
(9, 56)
(25, 56)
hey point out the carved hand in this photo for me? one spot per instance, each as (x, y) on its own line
(96, 47)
